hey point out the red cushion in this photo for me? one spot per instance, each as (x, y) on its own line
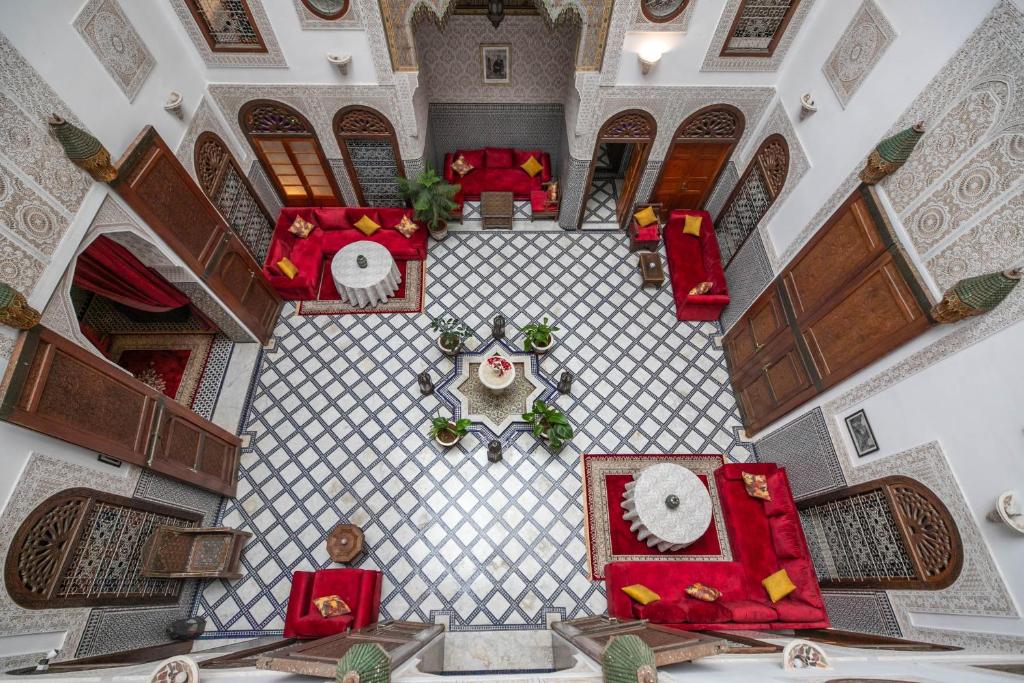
(495, 157)
(391, 217)
(700, 612)
(662, 612)
(750, 611)
(781, 502)
(648, 233)
(787, 536)
(332, 218)
(792, 609)
(539, 201)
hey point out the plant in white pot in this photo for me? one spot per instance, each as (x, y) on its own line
(452, 333)
(550, 424)
(539, 337)
(432, 199)
(448, 431)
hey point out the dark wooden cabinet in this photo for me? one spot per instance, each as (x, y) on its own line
(845, 300)
(153, 182)
(58, 388)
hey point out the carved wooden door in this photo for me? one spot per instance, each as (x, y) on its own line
(400, 639)
(778, 384)
(689, 174)
(593, 634)
(154, 183)
(762, 323)
(56, 387)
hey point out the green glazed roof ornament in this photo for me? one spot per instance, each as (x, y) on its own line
(7, 294)
(77, 143)
(364, 663)
(985, 292)
(627, 659)
(897, 149)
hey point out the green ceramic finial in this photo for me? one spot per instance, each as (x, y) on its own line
(627, 659)
(364, 663)
(985, 292)
(77, 144)
(897, 148)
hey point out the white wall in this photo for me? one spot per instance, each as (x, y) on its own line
(835, 140)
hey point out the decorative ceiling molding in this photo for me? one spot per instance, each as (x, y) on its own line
(859, 49)
(351, 20)
(273, 57)
(116, 44)
(714, 61)
(679, 23)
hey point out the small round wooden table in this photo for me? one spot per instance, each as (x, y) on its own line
(345, 542)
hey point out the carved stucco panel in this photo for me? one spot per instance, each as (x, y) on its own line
(859, 49)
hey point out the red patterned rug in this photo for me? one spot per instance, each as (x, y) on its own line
(172, 364)
(408, 298)
(608, 536)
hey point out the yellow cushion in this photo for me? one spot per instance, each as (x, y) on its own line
(646, 217)
(367, 225)
(286, 266)
(692, 226)
(778, 585)
(641, 593)
(532, 166)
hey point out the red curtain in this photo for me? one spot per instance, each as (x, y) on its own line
(108, 269)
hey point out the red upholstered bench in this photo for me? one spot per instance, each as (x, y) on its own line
(692, 260)
(764, 536)
(359, 588)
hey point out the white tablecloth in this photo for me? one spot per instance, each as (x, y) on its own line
(365, 286)
(650, 517)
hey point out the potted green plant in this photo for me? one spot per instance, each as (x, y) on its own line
(539, 337)
(448, 431)
(453, 332)
(550, 424)
(432, 199)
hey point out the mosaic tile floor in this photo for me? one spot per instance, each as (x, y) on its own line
(337, 432)
(600, 209)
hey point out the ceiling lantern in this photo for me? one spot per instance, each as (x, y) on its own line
(495, 11)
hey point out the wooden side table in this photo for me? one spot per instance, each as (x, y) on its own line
(651, 269)
(345, 542)
(496, 209)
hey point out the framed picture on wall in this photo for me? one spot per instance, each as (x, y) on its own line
(861, 434)
(495, 62)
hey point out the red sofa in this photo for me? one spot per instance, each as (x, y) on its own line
(333, 230)
(692, 260)
(765, 537)
(496, 170)
(359, 588)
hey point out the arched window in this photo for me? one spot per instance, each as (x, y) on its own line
(756, 191)
(327, 9)
(700, 149)
(290, 153)
(227, 25)
(83, 548)
(661, 11)
(368, 144)
(890, 533)
(230, 191)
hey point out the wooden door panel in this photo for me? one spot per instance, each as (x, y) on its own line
(876, 314)
(782, 383)
(190, 448)
(56, 387)
(241, 284)
(847, 244)
(689, 174)
(758, 328)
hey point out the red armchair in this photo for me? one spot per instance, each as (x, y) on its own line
(692, 260)
(359, 588)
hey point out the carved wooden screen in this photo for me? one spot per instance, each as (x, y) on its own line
(290, 153)
(632, 125)
(231, 192)
(58, 388)
(890, 533)
(227, 25)
(700, 149)
(154, 183)
(670, 646)
(83, 548)
(370, 149)
(756, 191)
(758, 27)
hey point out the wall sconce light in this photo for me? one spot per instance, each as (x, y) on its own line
(340, 61)
(807, 105)
(648, 58)
(173, 104)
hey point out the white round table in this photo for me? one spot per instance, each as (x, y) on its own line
(364, 286)
(649, 506)
(492, 381)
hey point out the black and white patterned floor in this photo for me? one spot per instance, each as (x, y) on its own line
(337, 432)
(601, 204)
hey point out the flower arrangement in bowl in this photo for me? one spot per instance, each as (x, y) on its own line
(539, 337)
(498, 365)
(453, 332)
(549, 423)
(448, 431)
